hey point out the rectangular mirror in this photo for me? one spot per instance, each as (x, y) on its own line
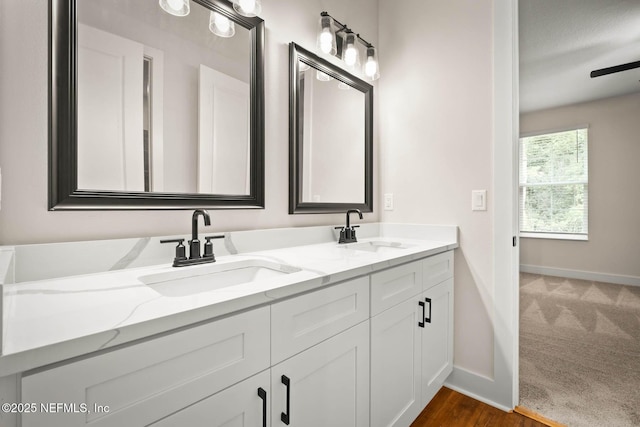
(150, 110)
(330, 140)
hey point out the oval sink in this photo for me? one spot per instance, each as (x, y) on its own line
(204, 278)
(376, 246)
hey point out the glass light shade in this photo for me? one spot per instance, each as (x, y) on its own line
(248, 7)
(323, 77)
(343, 86)
(221, 25)
(350, 54)
(371, 67)
(326, 35)
(175, 7)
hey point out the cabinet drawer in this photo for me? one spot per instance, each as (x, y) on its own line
(437, 269)
(304, 321)
(392, 286)
(147, 381)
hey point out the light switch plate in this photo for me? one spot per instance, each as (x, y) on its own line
(479, 200)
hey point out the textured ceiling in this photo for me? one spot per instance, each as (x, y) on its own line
(562, 41)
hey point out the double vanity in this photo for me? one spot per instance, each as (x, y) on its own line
(301, 331)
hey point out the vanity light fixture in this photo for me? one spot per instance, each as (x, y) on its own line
(221, 25)
(346, 47)
(175, 7)
(248, 8)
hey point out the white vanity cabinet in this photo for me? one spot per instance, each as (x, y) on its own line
(369, 351)
(143, 383)
(320, 351)
(412, 340)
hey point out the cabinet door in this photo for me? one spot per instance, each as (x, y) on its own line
(242, 405)
(325, 385)
(437, 338)
(396, 365)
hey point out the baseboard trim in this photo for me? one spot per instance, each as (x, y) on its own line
(475, 386)
(537, 417)
(583, 275)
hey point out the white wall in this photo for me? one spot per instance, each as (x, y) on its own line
(437, 144)
(23, 130)
(614, 198)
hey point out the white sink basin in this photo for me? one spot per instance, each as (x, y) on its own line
(185, 281)
(376, 246)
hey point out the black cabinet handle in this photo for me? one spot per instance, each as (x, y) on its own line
(428, 319)
(284, 417)
(421, 321)
(263, 395)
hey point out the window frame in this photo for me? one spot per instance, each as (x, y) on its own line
(551, 234)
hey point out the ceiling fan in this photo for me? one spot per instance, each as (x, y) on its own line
(615, 69)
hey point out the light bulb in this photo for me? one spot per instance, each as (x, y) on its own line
(175, 4)
(350, 55)
(370, 67)
(326, 40)
(175, 7)
(248, 6)
(221, 25)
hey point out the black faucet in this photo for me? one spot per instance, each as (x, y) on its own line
(181, 259)
(348, 233)
(194, 243)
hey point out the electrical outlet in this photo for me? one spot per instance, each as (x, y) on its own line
(388, 201)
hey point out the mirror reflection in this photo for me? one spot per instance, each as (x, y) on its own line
(163, 100)
(333, 142)
(331, 136)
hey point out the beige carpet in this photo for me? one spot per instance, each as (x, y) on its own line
(580, 351)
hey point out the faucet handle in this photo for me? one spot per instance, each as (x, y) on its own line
(220, 236)
(339, 228)
(180, 248)
(208, 246)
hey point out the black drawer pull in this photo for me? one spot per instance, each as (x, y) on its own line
(428, 319)
(263, 395)
(284, 417)
(421, 321)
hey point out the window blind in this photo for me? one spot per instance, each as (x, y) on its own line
(554, 183)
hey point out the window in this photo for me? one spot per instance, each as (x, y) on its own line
(554, 185)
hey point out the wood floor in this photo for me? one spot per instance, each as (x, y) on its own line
(452, 409)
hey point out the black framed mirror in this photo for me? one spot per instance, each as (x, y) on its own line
(330, 137)
(178, 124)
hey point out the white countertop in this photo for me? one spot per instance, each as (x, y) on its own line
(48, 321)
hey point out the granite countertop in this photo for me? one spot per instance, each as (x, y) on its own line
(48, 321)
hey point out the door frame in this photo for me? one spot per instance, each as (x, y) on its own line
(505, 183)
